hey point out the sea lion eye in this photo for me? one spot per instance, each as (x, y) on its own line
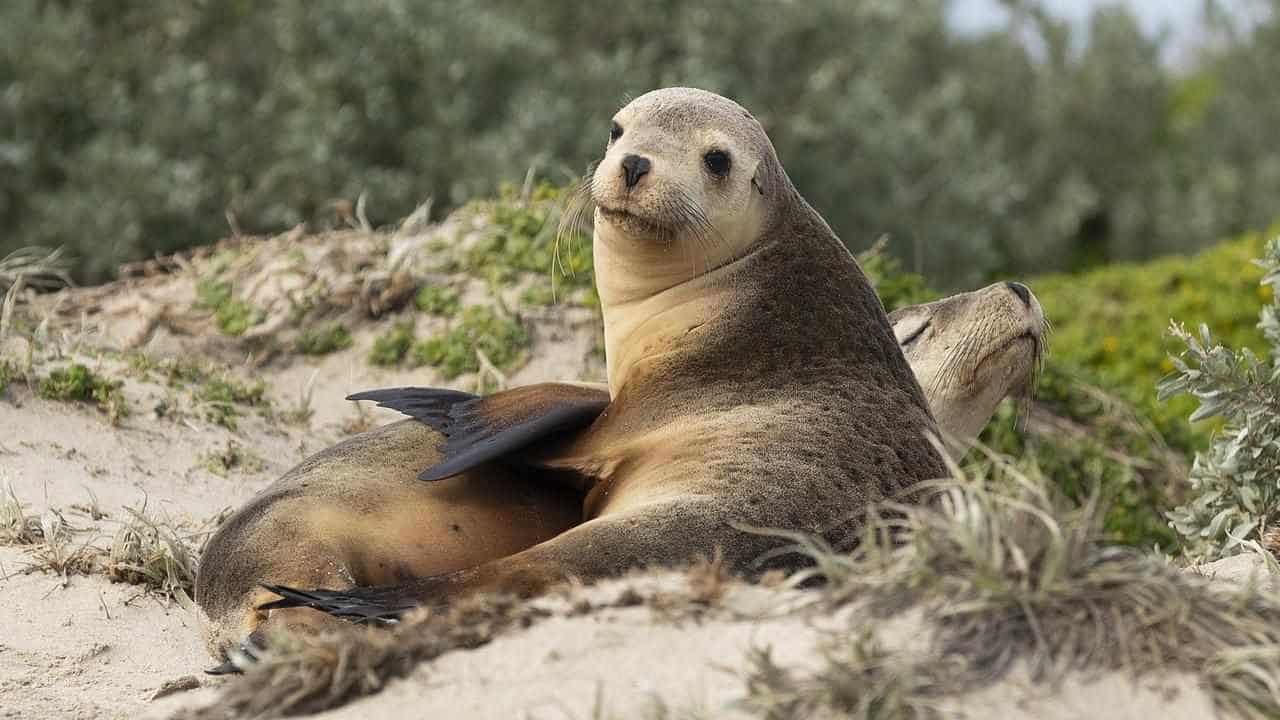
(915, 333)
(615, 132)
(718, 162)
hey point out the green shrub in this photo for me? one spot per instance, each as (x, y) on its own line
(895, 286)
(390, 347)
(538, 295)
(1110, 324)
(232, 315)
(502, 340)
(220, 396)
(323, 340)
(1095, 442)
(77, 383)
(437, 300)
(977, 154)
(1235, 484)
(522, 238)
(1100, 425)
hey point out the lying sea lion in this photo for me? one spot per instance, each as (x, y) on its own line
(754, 379)
(339, 503)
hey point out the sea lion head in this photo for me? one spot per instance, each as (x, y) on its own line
(969, 351)
(687, 183)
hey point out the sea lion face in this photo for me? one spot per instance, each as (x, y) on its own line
(681, 184)
(968, 351)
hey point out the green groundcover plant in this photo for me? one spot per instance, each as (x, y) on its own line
(1235, 484)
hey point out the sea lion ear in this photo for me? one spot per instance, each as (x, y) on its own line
(755, 180)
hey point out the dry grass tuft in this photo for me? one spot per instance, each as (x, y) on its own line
(707, 582)
(858, 679)
(300, 674)
(361, 421)
(1011, 572)
(35, 266)
(58, 553)
(157, 554)
(16, 526)
(91, 508)
(233, 458)
(301, 412)
(48, 539)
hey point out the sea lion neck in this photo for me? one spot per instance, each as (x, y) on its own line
(648, 311)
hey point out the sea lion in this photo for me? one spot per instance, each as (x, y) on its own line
(753, 376)
(340, 502)
(968, 351)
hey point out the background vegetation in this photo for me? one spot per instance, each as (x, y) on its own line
(1096, 419)
(129, 128)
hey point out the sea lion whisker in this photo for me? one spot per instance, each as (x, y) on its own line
(689, 221)
(574, 222)
(674, 208)
(701, 230)
(697, 218)
(954, 353)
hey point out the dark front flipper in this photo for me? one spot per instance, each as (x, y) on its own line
(373, 605)
(430, 406)
(480, 429)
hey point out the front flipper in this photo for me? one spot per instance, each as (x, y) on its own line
(480, 429)
(372, 605)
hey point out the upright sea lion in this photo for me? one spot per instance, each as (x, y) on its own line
(354, 514)
(753, 375)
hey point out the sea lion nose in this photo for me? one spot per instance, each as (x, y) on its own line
(1021, 291)
(634, 167)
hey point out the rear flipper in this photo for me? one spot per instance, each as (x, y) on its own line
(478, 429)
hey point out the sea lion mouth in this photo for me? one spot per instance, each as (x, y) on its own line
(1028, 336)
(634, 224)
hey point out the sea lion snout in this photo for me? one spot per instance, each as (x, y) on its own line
(1022, 291)
(635, 167)
(1036, 319)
